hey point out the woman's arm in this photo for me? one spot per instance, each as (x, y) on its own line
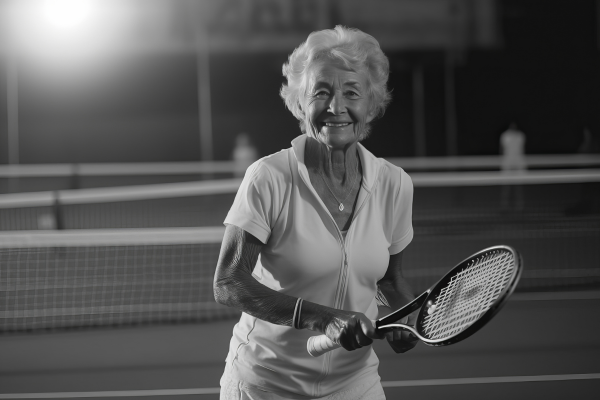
(398, 293)
(234, 286)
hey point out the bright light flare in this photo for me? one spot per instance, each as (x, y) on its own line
(66, 14)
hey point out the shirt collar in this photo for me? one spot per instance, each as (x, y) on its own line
(370, 164)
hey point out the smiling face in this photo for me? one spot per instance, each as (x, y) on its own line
(336, 104)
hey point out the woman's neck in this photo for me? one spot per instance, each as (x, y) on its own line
(337, 164)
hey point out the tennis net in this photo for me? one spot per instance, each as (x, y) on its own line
(469, 196)
(97, 277)
(108, 278)
(551, 217)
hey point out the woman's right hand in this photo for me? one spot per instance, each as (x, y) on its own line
(351, 330)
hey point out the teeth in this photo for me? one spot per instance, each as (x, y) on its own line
(337, 125)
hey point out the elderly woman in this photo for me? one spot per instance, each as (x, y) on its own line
(315, 233)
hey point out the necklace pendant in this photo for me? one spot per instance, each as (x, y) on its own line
(341, 207)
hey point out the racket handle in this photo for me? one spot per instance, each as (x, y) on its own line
(319, 345)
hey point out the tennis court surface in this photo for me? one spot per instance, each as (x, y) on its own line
(118, 302)
(539, 345)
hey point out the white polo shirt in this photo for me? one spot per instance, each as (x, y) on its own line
(305, 255)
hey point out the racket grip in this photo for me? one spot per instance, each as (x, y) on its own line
(319, 345)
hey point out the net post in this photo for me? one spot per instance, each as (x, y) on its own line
(57, 209)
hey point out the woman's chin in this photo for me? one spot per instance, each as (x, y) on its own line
(338, 139)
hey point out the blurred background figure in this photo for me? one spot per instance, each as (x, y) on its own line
(512, 149)
(587, 145)
(244, 153)
(46, 222)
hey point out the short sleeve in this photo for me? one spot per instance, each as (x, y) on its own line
(402, 234)
(252, 208)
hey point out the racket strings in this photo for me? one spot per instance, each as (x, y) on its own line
(467, 301)
(381, 299)
(459, 306)
(469, 294)
(463, 301)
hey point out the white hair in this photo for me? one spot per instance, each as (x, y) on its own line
(358, 51)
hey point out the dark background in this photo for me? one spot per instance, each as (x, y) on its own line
(142, 107)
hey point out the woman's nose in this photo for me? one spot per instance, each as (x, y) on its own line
(337, 104)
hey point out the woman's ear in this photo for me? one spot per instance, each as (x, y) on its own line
(300, 104)
(370, 116)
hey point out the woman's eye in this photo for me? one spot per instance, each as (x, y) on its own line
(321, 93)
(351, 93)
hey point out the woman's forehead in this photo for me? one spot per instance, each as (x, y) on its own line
(330, 70)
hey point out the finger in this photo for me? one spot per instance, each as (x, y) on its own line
(405, 337)
(348, 342)
(401, 341)
(362, 332)
(399, 335)
(362, 339)
(353, 337)
(379, 335)
(412, 338)
(389, 336)
(368, 328)
(375, 333)
(392, 335)
(408, 342)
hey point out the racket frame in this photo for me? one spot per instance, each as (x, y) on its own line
(387, 323)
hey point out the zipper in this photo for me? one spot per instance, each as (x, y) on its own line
(338, 299)
(342, 283)
(343, 272)
(343, 279)
(341, 288)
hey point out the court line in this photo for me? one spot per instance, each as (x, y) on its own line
(114, 393)
(549, 296)
(491, 379)
(388, 384)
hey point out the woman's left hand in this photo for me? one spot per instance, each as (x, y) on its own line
(402, 340)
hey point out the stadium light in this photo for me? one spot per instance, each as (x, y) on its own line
(66, 14)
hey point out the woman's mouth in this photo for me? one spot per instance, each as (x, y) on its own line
(336, 125)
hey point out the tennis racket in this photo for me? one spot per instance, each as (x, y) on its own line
(457, 306)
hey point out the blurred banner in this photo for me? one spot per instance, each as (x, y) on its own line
(113, 81)
(252, 25)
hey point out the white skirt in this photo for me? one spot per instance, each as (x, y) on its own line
(232, 389)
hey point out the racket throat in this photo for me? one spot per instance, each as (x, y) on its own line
(393, 327)
(403, 312)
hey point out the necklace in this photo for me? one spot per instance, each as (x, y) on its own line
(341, 206)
